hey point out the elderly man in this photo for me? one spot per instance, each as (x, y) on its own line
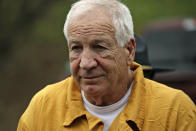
(107, 90)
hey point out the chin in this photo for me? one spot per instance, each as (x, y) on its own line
(92, 90)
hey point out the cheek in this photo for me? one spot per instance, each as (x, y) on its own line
(74, 66)
(106, 59)
(109, 62)
(73, 56)
(120, 64)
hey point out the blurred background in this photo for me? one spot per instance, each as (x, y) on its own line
(33, 50)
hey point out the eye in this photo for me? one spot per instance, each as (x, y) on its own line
(76, 48)
(100, 47)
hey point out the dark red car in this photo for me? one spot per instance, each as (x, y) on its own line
(172, 45)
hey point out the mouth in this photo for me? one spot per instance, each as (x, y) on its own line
(92, 77)
(91, 80)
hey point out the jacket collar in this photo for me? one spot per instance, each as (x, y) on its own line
(75, 108)
(136, 103)
(133, 113)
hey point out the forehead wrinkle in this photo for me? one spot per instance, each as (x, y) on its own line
(91, 29)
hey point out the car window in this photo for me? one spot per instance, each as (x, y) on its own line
(172, 48)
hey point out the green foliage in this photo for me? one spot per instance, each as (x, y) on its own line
(144, 11)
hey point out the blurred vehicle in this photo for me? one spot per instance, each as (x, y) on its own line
(172, 45)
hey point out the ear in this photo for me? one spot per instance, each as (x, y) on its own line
(131, 47)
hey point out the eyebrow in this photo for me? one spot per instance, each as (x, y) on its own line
(107, 42)
(73, 42)
(96, 41)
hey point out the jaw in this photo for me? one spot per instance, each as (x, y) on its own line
(99, 91)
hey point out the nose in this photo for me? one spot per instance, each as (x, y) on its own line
(88, 60)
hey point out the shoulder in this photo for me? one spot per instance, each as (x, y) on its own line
(54, 90)
(47, 100)
(165, 96)
(170, 99)
(164, 92)
(159, 90)
(57, 86)
(52, 95)
(170, 107)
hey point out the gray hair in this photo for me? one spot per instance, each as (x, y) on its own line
(121, 17)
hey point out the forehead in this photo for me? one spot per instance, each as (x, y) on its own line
(95, 21)
(90, 13)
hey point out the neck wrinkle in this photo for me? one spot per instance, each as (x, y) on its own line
(109, 108)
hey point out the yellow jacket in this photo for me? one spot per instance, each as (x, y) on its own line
(151, 107)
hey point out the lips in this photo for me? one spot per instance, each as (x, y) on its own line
(91, 79)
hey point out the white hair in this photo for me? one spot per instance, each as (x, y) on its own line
(121, 17)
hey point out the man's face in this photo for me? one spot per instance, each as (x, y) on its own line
(98, 64)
